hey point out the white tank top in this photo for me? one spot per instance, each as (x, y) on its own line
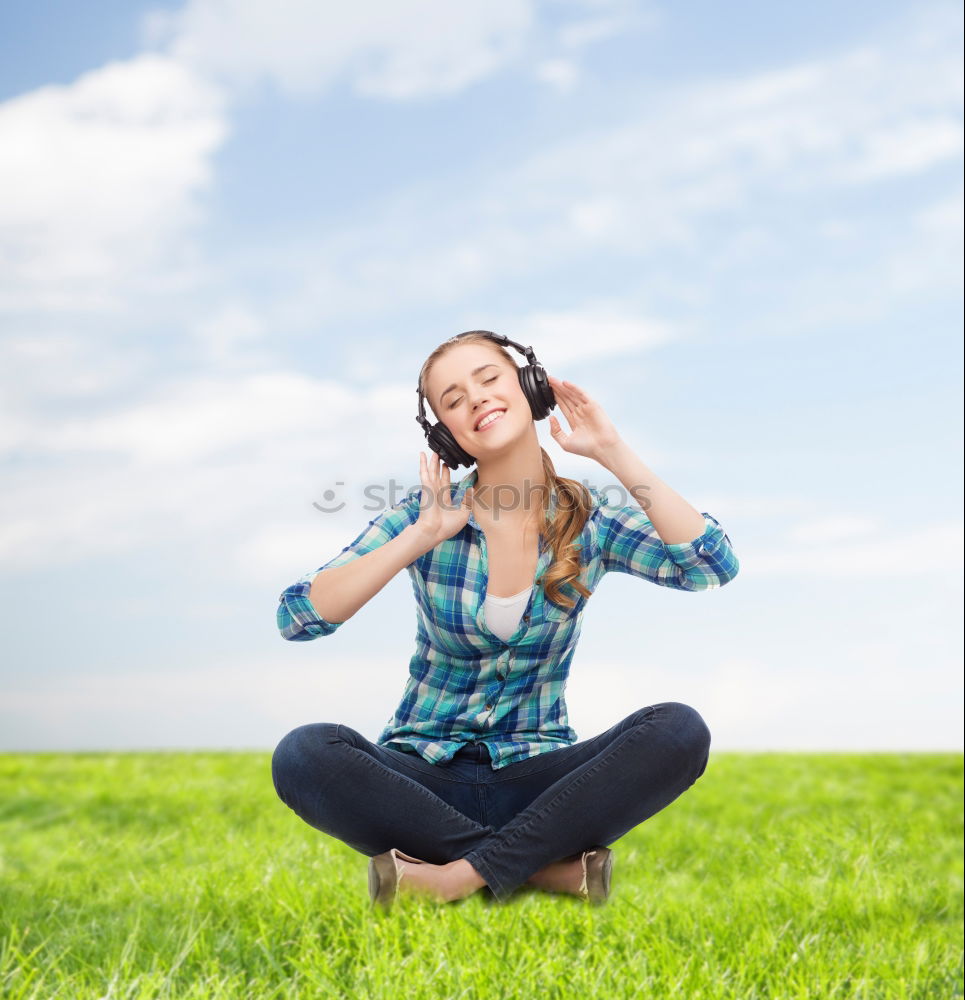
(503, 613)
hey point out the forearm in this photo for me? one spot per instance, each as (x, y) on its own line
(672, 517)
(337, 593)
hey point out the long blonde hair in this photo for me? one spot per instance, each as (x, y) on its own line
(573, 500)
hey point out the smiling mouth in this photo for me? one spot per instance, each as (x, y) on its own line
(493, 418)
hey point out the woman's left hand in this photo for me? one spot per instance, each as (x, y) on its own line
(592, 430)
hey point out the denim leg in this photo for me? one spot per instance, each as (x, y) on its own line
(653, 756)
(346, 786)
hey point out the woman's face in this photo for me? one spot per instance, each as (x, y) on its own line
(467, 383)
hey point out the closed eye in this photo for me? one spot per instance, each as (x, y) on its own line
(459, 400)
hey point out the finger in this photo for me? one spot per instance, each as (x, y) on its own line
(567, 395)
(565, 407)
(577, 392)
(569, 392)
(559, 385)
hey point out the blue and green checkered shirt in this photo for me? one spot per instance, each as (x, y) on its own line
(465, 683)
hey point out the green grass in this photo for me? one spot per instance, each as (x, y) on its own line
(776, 876)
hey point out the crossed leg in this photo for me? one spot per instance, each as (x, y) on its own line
(595, 792)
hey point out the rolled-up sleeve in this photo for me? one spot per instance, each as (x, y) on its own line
(630, 544)
(297, 618)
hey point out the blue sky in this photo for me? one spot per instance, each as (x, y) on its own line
(231, 233)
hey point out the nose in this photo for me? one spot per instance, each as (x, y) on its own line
(479, 408)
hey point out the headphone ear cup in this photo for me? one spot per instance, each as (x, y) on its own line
(537, 389)
(447, 447)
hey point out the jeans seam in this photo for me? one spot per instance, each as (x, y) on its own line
(425, 791)
(436, 770)
(650, 709)
(566, 792)
(497, 778)
(416, 766)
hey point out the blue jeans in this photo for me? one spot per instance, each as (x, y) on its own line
(508, 823)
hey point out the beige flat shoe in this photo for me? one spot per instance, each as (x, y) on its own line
(385, 874)
(597, 865)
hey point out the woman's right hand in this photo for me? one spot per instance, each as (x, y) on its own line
(438, 519)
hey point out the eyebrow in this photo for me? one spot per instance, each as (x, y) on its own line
(475, 371)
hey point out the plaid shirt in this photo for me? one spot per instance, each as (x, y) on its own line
(465, 683)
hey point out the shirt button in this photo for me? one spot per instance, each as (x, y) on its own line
(488, 705)
(525, 618)
(500, 676)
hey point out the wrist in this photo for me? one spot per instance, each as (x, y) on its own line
(419, 538)
(611, 455)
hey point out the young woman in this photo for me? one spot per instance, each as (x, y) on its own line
(478, 777)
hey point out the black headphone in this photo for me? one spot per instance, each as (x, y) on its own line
(532, 380)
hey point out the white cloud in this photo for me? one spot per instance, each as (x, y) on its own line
(596, 217)
(59, 366)
(149, 127)
(232, 333)
(384, 49)
(99, 180)
(832, 528)
(277, 550)
(931, 256)
(684, 160)
(210, 703)
(913, 550)
(199, 460)
(101, 189)
(575, 35)
(943, 217)
(561, 74)
(195, 419)
(861, 698)
(597, 330)
(909, 149)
